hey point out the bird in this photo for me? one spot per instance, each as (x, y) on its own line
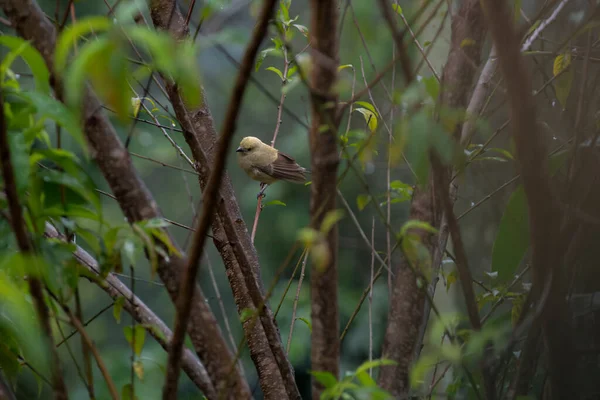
(267, 165)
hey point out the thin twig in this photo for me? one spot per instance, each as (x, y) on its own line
(421, 50)
(295, 306)
(99, 362)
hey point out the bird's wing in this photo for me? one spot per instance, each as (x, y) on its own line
(285, 167)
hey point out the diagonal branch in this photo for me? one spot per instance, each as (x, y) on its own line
(143, 315)
(210, 198)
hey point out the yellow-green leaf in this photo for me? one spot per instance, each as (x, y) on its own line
(135, 337)
(370, 118)
(117, 308)
(362, 200)
(330, 220)
(561, 62)
(467, 42)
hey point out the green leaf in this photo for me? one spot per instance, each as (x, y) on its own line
(563, 83)
(72, 33)
(303, 29)
(325, 378)
(370, 118)
(177, 59)
(247, 314)
(56, 111)
(307, 322)
(432, 87)
(127, 392)
(117, 308)
(420, 369)
(331, 218)
(368, 106)
(275, 203)
(31, 56)
(512, 238)
(416, 224)
(362, 200)
(308, 236)
(342, 67)
(73, 183)
(374, 364)
(261, 57)
(135, 337)
(562, 86)
(561, 63)
(19, 157)
(277, 71)
(397, 8)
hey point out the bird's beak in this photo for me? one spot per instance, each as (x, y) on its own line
(240, 150)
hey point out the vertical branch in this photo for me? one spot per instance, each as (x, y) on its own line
(324, 162)
(544, 212)
(210, 197)
(18, 225)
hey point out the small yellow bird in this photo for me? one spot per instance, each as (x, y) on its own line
(266, 164)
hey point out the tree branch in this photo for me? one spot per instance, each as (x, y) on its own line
(210, 198)
(143, 315)
(325, 343)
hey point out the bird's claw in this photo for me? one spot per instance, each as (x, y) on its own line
(262, 194)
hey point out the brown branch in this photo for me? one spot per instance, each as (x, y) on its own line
(230, 234)
(18, 225)
(134, 199)
(544, 212)
(325, 343)
(210, 198)
(143, 315)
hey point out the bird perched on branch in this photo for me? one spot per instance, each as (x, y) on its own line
(266, 164)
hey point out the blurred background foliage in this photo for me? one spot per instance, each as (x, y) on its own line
(223, 37)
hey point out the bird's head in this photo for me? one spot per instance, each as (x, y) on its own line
(248, 144)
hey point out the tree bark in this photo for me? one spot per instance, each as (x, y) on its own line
(325, 350)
